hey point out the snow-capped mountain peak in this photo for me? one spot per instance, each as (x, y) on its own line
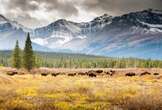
(103, 18)
(61, 21)
(135, 34)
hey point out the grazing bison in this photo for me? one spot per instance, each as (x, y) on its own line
(71, 74)
(108, 73)
(99, 71)
(145, 73)
(12, 73)
(130, 74)
(82, 73)
(112, 72)
(156, 74)
(44, 74)
(92, 75)
(54, 74)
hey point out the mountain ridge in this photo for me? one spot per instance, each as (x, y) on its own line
(128, 35)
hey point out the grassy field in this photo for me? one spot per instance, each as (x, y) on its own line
(28, 92)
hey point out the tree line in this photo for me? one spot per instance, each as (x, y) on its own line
(95, 62)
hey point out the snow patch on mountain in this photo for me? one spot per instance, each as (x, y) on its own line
(3, 22)
(39, 41)
(155, 30)
(152, 25)
(82, 37)
(156, 11)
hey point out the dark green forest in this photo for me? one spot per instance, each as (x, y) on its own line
(64, 60)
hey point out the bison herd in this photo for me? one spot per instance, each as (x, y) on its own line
(141, 74)
(90, 73)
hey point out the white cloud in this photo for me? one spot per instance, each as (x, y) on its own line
(35, 13)
(83, 16)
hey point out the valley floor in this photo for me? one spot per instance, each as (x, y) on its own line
(36, 92)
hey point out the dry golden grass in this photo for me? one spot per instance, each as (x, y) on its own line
(28, 92)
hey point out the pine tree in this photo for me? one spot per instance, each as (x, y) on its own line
(28, 57)
(16, 56)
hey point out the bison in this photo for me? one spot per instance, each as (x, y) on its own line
(12, 73)
(54, 74)
(44, 74)
(71, 74)
(108, 73)
(145, 73)
(130, 74)
(92, 75)
(99, 71)
(82, 73)
(156, 74)
(112, 72)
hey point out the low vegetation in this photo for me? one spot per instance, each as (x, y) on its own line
(28, 92)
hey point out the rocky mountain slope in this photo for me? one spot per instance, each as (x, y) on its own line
(136, 34)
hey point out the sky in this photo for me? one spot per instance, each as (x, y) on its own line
(36, 13)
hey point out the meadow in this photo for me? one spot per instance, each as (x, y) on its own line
(63, 92)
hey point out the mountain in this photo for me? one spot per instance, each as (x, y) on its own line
(136, 34)
(65, 34)
(10, 31)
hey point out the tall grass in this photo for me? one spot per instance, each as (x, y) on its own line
(26, 92)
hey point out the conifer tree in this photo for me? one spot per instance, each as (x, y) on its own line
(16, 57)
(28, 57)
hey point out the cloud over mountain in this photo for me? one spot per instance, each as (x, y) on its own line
(34, 13)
